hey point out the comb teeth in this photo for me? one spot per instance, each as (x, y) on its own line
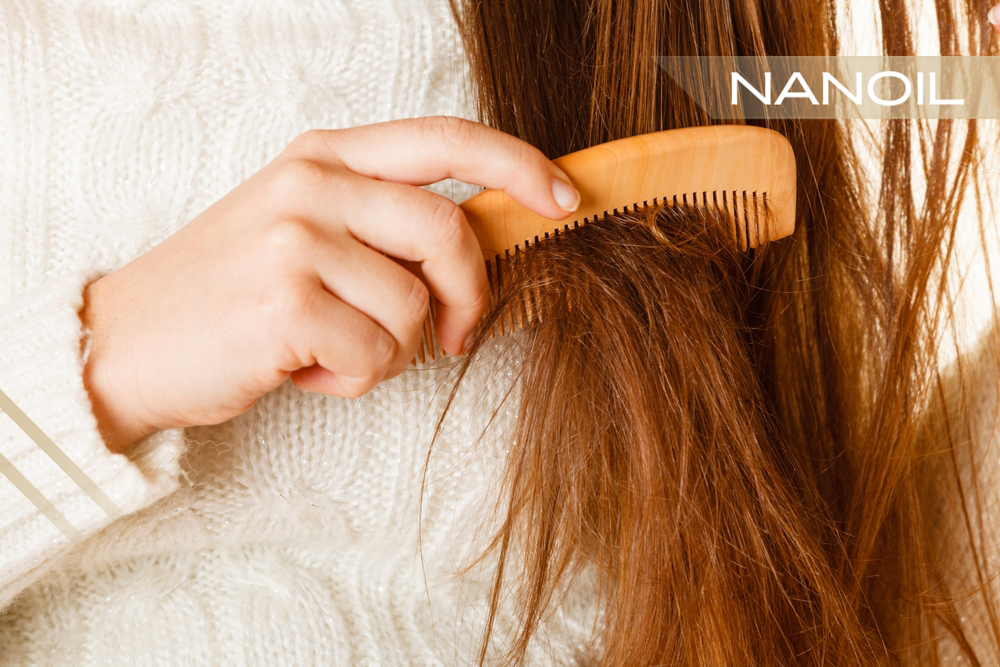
(430, 348)
(745, 207)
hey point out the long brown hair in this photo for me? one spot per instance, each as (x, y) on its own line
(752, 450)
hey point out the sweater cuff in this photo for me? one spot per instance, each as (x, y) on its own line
(60, 482)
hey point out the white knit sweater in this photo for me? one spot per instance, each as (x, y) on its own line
(287, 536)
(293, 535)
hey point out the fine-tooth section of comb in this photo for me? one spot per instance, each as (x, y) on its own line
(745, 172)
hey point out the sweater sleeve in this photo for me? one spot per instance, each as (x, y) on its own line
(59, 482)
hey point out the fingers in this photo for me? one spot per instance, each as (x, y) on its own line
(994, 17)
(396, 299)
(412, 224)
(362, 180)
(419, 151)
(352, 351)
(432, 230)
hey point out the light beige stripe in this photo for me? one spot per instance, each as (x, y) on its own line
(37, 499)
(59, 456)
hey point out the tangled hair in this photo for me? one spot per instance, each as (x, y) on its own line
(752, 450)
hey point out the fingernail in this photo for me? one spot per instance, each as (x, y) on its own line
(565, 195)
(994, 15)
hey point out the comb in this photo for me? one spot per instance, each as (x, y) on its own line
(745, 172)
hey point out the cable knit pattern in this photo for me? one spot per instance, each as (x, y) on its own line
(303, 532)
(296, 534)
(41, 370)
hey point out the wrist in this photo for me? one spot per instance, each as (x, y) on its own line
(112, 397)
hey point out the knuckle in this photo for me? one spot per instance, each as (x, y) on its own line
(415, 306)
(527, 158)
(383, 351)
(296, 179)
(282, 310)
(289, 240)
(448, 134)
(308, 143)
(296, 304)
(447, 223)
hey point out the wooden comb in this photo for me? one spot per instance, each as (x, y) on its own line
(744, 171)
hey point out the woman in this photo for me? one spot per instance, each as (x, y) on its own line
(267, 524)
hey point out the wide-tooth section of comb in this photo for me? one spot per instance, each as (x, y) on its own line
(747, 211)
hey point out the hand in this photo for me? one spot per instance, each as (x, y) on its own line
(290, 275)
(994, 17)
